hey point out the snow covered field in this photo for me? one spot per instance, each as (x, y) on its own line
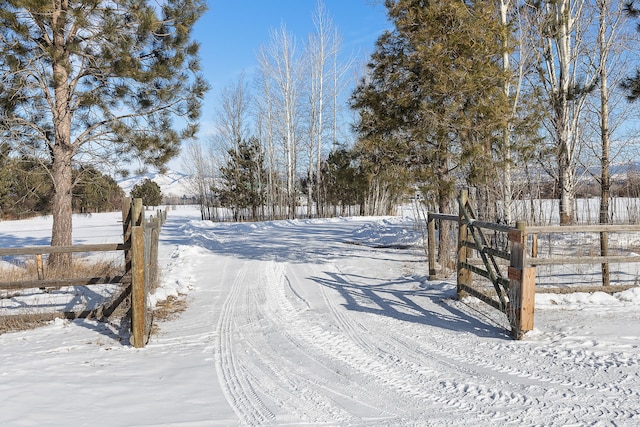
(290, 323)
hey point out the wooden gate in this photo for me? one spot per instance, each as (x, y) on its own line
(503, 266)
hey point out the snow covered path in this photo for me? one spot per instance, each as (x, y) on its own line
(323, 322)
(313, 330)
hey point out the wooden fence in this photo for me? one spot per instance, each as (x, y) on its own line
(139, 276)
(511, 267)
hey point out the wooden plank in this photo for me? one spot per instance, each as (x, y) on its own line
(126, 231)
(444, 217)
(35, 250)
(481, 296)
(488, 250)
(61, 283)
(153, 264)
(514, 273)
(111, 307)
(596, 228)
(40, 267)
(476, 270)
(137, 212)
(490, 226)
(464, 278)
(100, 312)
(611, 289)
(517, 279)
(583, 260)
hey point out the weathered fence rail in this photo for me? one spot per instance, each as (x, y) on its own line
(139, 277)
(512, 268)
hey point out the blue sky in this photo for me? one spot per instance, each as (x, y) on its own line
(231, 32)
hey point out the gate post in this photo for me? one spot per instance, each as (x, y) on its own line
(463, 274)
(431, 245)
(522, 281)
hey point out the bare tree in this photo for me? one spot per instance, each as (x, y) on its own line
(280, 64)
(265, 128)
(232, 116)
(567, 77)
(202, 169)
(323, 46)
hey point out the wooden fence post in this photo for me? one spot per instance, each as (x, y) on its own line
(431, 245)
(156, 224)
(138, 294)
(126, 232)
(39, 266)
(522, 280)
(463, 274)
(137, 212)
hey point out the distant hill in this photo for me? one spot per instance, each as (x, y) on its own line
(172, 184)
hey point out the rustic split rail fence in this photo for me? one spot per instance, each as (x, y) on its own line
(510, 262)
(138, 278)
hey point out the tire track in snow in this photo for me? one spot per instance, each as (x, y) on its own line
(423, 371)
(427, 374)
(395, 382)
(274, 374)
(263, 386)
(334, 397)
(234, 376)
(482, 381)
(560, 366)
(546, 385)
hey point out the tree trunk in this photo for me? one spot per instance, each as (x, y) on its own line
(566, 189)
(61, 149)
(605, 136)
(61, 233)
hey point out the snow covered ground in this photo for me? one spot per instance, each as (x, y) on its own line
(290, 323)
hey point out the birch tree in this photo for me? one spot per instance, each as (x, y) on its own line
(322, 52)
(265, 128)
(567, 78)
(232, 115)
(280, 64)
(201, 166)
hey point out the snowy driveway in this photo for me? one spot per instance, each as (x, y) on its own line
(323, 323)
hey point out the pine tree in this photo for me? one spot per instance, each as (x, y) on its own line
(99, 78)
(244, 179)
(344, 183)
(148, 191)
(95, 192)
(433, 98)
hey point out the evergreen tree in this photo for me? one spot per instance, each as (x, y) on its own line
(433, 101)
(97, 77)
(95, 191)
(148, 191)
(31, 187)
(244, 179)
(343, 181)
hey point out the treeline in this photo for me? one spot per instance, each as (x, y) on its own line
(513, 99)
(283, 145)
(26, 189)
(240, 189)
